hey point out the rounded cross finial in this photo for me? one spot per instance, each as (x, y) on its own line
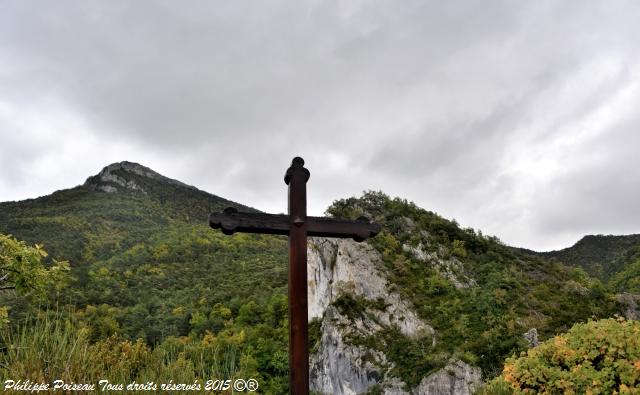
(297, 162)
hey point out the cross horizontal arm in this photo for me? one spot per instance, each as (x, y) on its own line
(231, 221)
(359, 230)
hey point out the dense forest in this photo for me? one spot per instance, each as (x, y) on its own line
(154, 294)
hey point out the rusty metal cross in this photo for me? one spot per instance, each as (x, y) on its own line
(297, 226)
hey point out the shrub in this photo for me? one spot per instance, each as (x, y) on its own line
(598, 357)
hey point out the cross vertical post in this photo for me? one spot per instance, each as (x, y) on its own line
(296, 177)
(297, 226)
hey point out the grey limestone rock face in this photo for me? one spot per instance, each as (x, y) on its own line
(110, 182)
(340, 368)
(337, 366)
(631, 305)
(532, 337)
(338, 266)
(106, 176)
(450, 268)
(407, 224)
(457, 378)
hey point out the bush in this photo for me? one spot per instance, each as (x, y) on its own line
(52, 347)
(598, 357)
(22, 268)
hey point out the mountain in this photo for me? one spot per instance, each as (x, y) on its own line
(424, 307)
(433, 297)
(124, 203)
(599, 255)
(139, 242)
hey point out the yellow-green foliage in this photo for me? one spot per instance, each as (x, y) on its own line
(628, 279)
(22, 270)
(52, 348)
(599, 357)
(21, 267)
(458, 249)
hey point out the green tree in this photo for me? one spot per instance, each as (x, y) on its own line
(219, 317)
(22, 269)
(627, 280)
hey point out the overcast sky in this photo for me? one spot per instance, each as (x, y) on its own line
(519, 118)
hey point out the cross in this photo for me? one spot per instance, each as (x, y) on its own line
(297, 225)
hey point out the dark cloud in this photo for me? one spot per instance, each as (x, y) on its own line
(482, 111)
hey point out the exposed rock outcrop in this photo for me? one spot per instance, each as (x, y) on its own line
(531, 336)
(341, 366)
(338, 266)
(113, 177)
(631, 305)
(450, 268)
(456, 378)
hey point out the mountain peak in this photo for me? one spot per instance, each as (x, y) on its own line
(123, 175)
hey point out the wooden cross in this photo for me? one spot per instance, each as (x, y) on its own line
(298, 226)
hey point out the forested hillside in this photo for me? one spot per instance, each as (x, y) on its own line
(480, 295)
(145, 265)
(599, 255)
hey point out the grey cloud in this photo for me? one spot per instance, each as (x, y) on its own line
(430, 100)
(159, 72)
(602, 196)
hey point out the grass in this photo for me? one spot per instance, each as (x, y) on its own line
(53, 348)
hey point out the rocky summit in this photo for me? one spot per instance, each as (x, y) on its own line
(118, 176)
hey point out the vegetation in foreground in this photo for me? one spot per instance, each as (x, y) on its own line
(52, 347)
(597, 357)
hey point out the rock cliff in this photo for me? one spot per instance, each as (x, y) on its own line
(355, 304)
